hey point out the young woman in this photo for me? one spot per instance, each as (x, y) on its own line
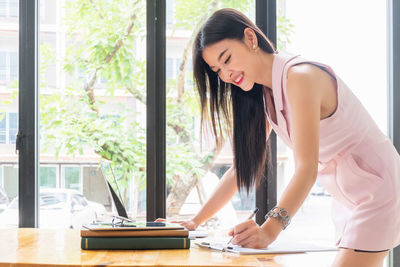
(246, 84)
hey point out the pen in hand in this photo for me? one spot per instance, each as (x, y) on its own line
(250, 217)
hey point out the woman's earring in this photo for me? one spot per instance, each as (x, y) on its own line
(254, 46)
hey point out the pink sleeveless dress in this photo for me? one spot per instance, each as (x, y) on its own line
(358, 164)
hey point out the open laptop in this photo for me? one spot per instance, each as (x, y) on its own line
(122, 221)
(123, 215)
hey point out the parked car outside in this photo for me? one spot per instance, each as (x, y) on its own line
(4, 201)
(59, 208)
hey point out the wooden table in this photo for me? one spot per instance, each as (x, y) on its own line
(29, 246)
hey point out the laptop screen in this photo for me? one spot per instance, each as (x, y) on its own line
(117, 202)
(122, 211)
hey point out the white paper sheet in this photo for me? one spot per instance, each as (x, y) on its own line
(277, 247)
(197, 234)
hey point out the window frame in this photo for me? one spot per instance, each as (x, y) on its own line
(28, 130)
(156, 110)
(266, 193)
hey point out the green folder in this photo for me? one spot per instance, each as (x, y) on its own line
(135, 243)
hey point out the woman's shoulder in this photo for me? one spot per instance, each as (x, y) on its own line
(304, 73)
(300, 69)
(304, 78)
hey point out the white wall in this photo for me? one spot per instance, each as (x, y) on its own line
(350, 36)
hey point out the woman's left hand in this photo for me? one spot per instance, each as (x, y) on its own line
(250, 235)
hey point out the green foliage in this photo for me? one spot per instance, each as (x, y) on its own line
(103, 37)
(284, 29)
(102, 48)
(190, 12)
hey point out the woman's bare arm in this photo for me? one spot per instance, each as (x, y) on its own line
(225, 190)
(304, 89)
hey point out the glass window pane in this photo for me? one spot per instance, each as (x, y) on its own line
(3, 8)
(48, 177)
(323, 42)
(51, 199)
(72, 178)
(12, 127)
(9, 36)
(170, 11)
(42, 10)
(92, 100)
(11, 180)
(170, 68)
(3, 129)
(3, 66)
(186, 161)
(13, 66)
(4, 200)
(9, 193)
(13, 7)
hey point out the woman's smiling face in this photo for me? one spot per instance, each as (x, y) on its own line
(233, 61)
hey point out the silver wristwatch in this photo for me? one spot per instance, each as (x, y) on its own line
(280, 214)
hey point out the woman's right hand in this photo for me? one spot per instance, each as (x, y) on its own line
(224, 191)
(189, 224)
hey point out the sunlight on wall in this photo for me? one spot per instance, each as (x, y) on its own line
(350, 36)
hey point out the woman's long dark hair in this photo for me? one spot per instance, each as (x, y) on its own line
(227, 104)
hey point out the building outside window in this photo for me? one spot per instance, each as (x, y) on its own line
(72, 177)
(8, 66)
(3, 128)
(8, 127)
(48, 177)
(8, 8)
(3, 66)
(12, 127)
